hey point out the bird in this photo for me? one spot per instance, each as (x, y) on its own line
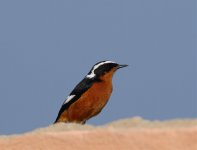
(90, 96)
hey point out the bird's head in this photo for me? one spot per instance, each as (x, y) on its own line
(104, 70)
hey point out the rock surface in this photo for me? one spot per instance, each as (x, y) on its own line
(127, 134)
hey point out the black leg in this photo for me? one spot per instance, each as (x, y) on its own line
(83, 122)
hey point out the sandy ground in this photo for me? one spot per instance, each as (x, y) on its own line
(127, 134)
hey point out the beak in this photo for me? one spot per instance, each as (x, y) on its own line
(121, 66)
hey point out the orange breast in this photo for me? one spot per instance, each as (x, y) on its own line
(92, 101)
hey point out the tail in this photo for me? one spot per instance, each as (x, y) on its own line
(56, 120)
(62, 117)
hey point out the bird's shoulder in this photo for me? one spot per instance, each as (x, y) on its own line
(82, 86)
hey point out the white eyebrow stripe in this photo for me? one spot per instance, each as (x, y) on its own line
(69, 98)
(92, 74)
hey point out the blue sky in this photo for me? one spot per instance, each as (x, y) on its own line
(48, 46)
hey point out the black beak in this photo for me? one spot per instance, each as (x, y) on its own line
(121, 66)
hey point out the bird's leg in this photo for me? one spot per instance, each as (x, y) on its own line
(83, 122)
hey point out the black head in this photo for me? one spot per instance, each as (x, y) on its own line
(102, 68)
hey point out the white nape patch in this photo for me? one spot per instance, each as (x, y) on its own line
(92, 74)
(69, 98)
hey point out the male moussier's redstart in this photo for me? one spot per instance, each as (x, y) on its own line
(90, 96)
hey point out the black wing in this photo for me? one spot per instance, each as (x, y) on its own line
(81, 88)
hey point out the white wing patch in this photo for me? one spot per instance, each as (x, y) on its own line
(92, 74)
(69, 98)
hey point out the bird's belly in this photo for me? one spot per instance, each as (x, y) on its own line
(89, 104)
